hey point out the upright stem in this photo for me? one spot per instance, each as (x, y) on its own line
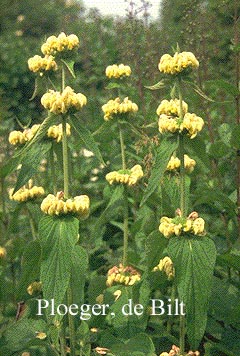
(182, 331)
(182, 176)
(182, 334)
(66, 195)
(125, 228)
(122, 147)
(125, 198)
(53, 171)
(65, 160)
(181, 156)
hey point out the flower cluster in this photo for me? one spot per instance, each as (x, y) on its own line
(174, 163)
(191, 123)
(24, 194)
(114, 107)
(41, 64)
(122, 275)
(55, 132)
(60, 103)
(166, 265)
(57, 205)
(34, 288)
(3, 252)
(19, 137)
(172, 107)
(179, 225)
(127, 176)
(118, 71)
(59, 44)
(178, 63)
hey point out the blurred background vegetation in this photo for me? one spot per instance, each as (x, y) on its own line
(211, 30)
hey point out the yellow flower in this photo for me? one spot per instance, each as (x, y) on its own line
(122, 275)
(61, 103)
(198, 226)
(177, 63)
(41, 335)
(18, 137)
(174, 163)
(40, 64)
(24, 193)
(62, 43)
(118, 71)
(172, 107)
(34, 287)
(3, 252)
(167, 124)
(56, 205)
(166, 265)
(56, 132)
(178, 226)
(129, 176)
(192, 123)
(114, 107)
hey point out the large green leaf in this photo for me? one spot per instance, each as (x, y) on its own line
(139, 345)
(194, 260)
(58, 236)
(155, 245)
(31, 162)
(163, 154)
(78, 276)
(30, 267)
(86, 136)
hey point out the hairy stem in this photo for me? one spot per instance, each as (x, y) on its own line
(53, 171)
(125, 207)
(66, 195)
(122, 148)
(181, 156)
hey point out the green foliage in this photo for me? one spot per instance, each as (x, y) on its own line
(194, 260)
(58, 237)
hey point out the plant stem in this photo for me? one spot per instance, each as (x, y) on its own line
(182, 176)
(65, 160)
(125, 198)
(53, 171)
(71, 323)
(66, 195)
(125, 228)
(170, 320)
(32, 223)
(182, 334)
(182, 331)
(122, 147)
(181, 156)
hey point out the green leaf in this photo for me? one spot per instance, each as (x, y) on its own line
(223, 84)
(31, 162)
(21, 153)
(30, 268)
(116, 198)
(194, 260)
(163, 154)
(36, 87)
(155, 245)
(20, 333)
(86, 136)
(69, 63)
(79, 271)
(229, 260)
(139, 345)
(157, 86)
(235, 142)
(58, 235)
(113, 86)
